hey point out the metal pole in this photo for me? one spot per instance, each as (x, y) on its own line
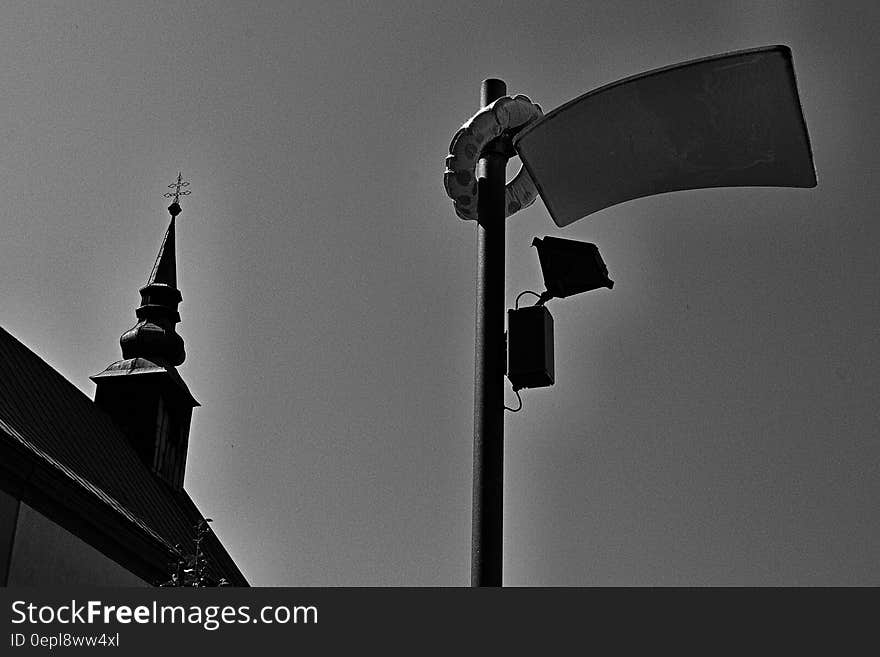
(490, 366)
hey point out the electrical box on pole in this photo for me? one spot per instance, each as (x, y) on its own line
(530, 347)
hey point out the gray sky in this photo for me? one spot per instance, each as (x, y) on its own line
(715, 416)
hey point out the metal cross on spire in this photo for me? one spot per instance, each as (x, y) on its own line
(176, 187)
(174, 208)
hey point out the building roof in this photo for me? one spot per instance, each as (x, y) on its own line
(66, 457)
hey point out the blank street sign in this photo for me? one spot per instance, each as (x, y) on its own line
(725, 121)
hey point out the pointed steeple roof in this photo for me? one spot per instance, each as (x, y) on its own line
(165, 268)
(154, 337)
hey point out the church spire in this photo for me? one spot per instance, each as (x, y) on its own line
(143, 393)
(154, 337)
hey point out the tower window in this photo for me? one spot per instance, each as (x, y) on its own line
(167, 453)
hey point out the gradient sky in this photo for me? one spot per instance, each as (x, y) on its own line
(715, 416)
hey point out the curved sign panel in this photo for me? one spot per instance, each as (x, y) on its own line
(725, 121)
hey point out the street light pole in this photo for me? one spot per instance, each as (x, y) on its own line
(750, 132)
(489, 366)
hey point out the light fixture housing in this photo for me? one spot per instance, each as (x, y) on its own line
(731, 120)
(570, 267)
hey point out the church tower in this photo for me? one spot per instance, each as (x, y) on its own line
(143, 392)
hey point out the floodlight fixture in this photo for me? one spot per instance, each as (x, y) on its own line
(570, 267)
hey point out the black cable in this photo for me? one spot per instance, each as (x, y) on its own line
(516, 410)
(516, 303)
